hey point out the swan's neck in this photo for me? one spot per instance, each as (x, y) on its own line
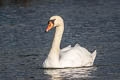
(57, 40)
(55, 49)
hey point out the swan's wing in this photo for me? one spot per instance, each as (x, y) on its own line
(77, 56)
(64, 50)
(85, 51)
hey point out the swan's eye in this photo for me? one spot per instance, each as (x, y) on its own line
(50, 24)
(51, 21)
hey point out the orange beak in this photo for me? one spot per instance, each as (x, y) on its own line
(50, 26)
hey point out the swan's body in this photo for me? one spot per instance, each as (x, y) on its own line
(76, 56)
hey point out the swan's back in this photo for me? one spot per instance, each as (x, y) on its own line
(76, 56)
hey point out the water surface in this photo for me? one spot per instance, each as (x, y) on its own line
(24, 45)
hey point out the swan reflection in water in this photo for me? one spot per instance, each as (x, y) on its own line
(70, 73)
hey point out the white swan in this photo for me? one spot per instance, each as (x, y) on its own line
(76, 56)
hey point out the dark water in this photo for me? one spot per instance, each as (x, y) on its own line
(94, 24)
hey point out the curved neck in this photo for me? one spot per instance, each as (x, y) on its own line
(53, 56)
(57, 39)
(55, 49)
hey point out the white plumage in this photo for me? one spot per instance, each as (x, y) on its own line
(76, 56)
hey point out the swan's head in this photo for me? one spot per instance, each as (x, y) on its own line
(54, 21)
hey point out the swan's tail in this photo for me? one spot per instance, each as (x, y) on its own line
(94, 55)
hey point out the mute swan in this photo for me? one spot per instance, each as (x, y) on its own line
(76, 56)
